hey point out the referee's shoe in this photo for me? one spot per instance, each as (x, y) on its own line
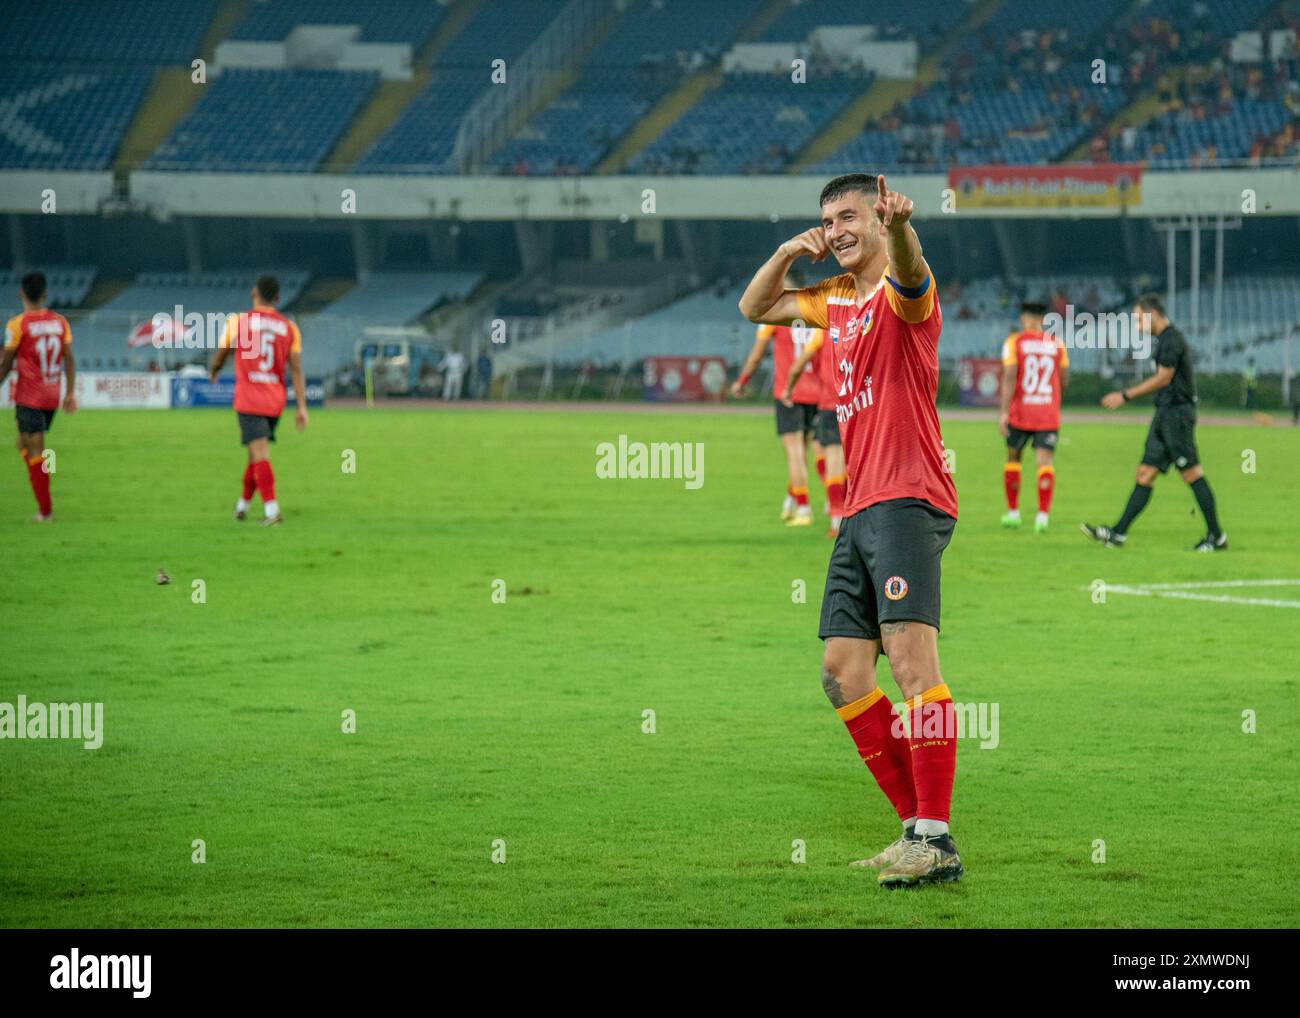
(1212, 542)
(1105, 535)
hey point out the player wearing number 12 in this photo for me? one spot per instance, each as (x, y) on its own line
(1035, 371)
(266, 342)
(39, 341)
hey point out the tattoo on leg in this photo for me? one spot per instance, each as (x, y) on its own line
(832, 687)
(893, 628)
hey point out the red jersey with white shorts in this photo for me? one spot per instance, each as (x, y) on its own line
(1036, 398)
(262, 340)
(885, 368)
(40, 338)
(787, 344)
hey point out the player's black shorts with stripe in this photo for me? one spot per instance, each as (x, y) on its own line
(254, 426)
(1171, 439)
(828, 428)
(33, 420)
(885, 568)
(800, 417)
(1016, 439)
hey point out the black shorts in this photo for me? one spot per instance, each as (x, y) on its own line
(253, 427)
(800, 417)
(1171, 439)
(885, 568)
(33, 420)
(1016, 439)
(828, 428)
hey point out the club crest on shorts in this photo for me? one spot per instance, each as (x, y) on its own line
(895, 588)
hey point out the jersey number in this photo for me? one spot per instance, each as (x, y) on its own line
(268, 352)
(1038, 375)
(49, 351)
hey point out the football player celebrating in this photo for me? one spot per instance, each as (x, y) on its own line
(882, 584)
(1035, 371)
(267, 342)
(39, 341)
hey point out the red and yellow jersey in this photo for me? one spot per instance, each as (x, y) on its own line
(40, 338)
(787, 344)
(885, 369)
(1036, 398)
(262, 340)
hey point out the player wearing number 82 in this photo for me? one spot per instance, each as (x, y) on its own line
(265, 343)
(1035, 371)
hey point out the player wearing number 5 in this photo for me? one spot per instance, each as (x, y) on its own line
(266, 342)
(1035, 371)
(39, 341)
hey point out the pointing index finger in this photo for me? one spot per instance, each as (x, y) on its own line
(880, 185)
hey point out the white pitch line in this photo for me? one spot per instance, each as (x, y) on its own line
(1220, 583)
(1160, 590)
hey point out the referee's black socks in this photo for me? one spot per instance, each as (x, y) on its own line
(1205, 499)
(1136, 503)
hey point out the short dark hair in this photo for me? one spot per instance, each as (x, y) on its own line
(1034, 307)
(840, 186)
(268, 288)
(33, 286)
(1151, 302)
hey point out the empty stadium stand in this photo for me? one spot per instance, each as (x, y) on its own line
(129, 32)
(55, 118)
(274, 120)
(395, 298)
(422, 138)
(410, 21)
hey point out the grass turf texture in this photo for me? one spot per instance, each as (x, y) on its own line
(523, 721)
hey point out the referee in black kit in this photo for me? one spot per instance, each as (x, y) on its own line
(1172, 437)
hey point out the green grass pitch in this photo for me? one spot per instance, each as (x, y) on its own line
(477, 721)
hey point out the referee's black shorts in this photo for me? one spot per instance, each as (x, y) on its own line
(885, 568)
(1171, 439)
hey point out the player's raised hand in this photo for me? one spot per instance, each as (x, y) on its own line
(893, 209)
(811, 243)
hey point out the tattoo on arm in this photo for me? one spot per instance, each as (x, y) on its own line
(832, 687)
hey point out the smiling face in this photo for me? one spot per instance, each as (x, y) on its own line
(851, 229)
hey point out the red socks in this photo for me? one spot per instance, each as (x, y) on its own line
(821, 469)
(1011, 484)
(40, 481)
(800, 496)
(933, 741)
(835, 492)
(870, 721)
(250, 483)
(264, 478)
(1046, 486)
